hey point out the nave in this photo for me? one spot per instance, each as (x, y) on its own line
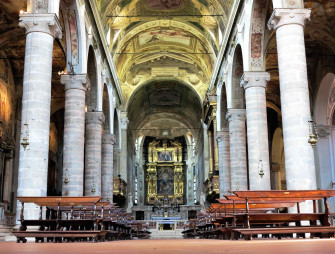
(182, 246)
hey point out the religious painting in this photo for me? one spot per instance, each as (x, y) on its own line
(3, 103)
(165, 181)
(165, 36)
(164, 5)
(165, 155)
(73, 36)
(164, 97)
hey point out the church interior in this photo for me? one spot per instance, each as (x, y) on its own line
(164, 107)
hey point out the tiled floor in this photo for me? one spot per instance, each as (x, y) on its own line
(193, 246)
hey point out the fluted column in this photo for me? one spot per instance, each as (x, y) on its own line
(254, 84)
(210, 149)
(295, 105)
(74, 134)
(107, 166)
(224, 161)
(41, 29)
(94, 121)
(238, 154)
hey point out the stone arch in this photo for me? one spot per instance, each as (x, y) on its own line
(237, 92)
(116, 128)
(223, 108)
(106, 109)
(278, 174)
(157, 79)
(92, 94)
(257, 31)
(324, 119)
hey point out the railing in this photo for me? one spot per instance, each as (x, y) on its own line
(158, 224)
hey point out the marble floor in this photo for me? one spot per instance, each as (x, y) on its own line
(185, 246)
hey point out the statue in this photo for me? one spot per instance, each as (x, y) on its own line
(130, 203)
(202, 200)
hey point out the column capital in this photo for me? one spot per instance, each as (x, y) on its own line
(108, 138)
(255, 79)
(124, 122)
(44, 23)
(77, 81)
(223, 135)
(116, 152)
(95, 117)
(281, 17)
(234, 114)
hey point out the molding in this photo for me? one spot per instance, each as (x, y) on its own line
(281, 17)
(43, 23)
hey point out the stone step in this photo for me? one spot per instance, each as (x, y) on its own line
(166, 234)
(5, 233)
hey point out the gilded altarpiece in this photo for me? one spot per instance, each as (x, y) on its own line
(165, 176)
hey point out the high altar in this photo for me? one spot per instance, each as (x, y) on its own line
(164, 174)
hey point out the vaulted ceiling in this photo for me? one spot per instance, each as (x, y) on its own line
(164, 40)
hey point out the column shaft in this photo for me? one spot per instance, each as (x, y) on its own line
(94, 121)
(107, 166)
(224, 161)
(238, 154)
(257, 129)
(33, 162)
(74, 134)
(210, 149)
(294, 95)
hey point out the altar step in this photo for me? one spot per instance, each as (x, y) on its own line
(5, 233)
(166, 234)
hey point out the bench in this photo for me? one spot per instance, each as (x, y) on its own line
(249, 224)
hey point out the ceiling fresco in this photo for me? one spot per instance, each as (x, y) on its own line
(164, 39)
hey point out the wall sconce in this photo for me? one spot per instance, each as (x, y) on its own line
(313, 134)
(66, 176)
(25, 139)
(108, 196)
(93, 189)
(260, 167)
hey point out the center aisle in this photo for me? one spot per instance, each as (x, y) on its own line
(184, 246)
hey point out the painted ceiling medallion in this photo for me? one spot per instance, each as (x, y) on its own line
(164, 5)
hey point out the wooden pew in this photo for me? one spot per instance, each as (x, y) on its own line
(251, 220)
(52, 228)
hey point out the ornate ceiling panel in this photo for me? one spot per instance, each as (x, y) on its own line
(164, 40)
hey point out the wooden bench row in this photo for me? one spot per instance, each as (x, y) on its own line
(250, 213)
(75, 218)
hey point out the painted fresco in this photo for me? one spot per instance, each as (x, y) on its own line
(165, 156)
(164, 36)
(165, 181)
(163, 5)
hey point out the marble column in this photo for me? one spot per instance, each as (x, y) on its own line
(210, 149)
(216, 149)
(124, 148)
(116, 161)
(254, 84)
(94, 121)
(295, 105)
(238, 154)
(74, 133)
(224, 161)
(41, 29)
(107, 166)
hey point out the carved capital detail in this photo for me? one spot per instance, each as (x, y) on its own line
(255, 79)
(108, 139)
(78, 81)
(95, 117)
(235, 114)
(43, 23)
(223, 135)
(124, 123)
(282, 17)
